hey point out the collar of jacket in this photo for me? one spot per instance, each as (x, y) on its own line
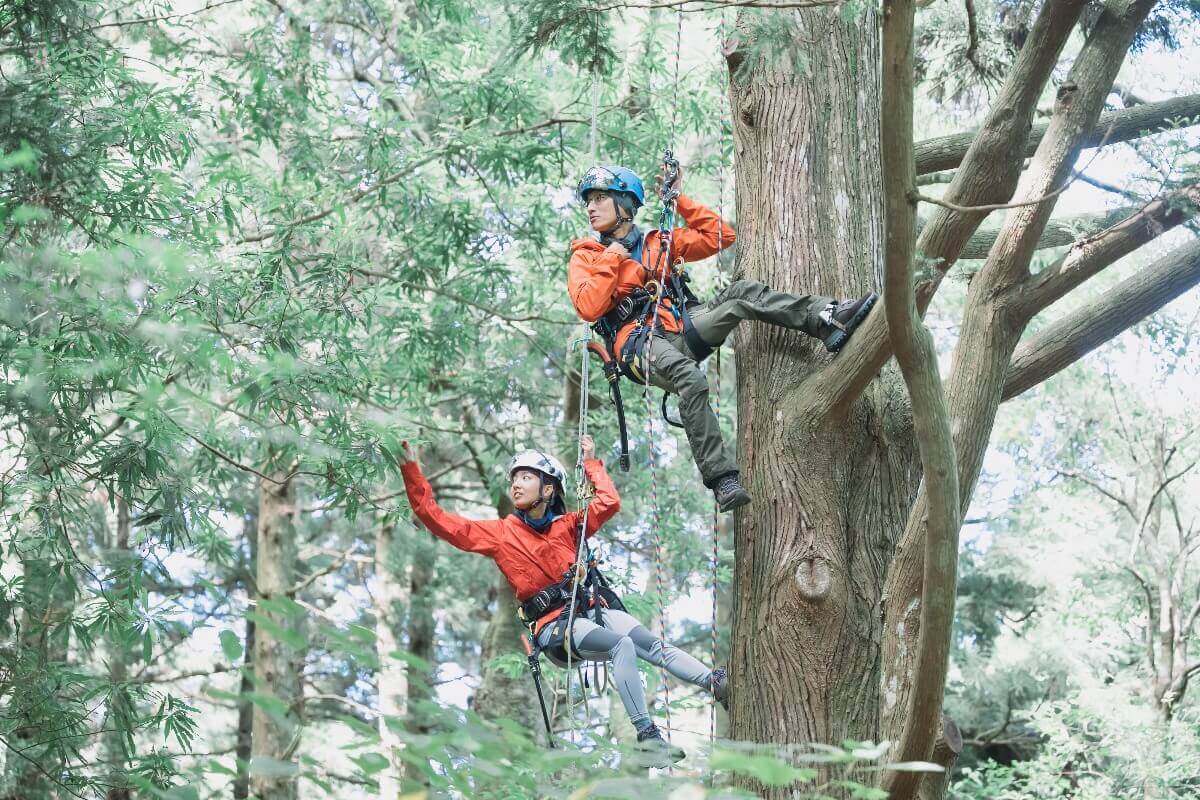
(539, 525)
(632, 241)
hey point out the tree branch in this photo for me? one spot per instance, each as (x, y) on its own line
(348, 200)
(1093, 254)
(947, 152)
(917, 357)
(1071, 338)
(989, 174)
(1099, 487)
(1059, 232)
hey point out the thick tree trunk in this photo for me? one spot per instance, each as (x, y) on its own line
(831, 492)
(391, 601)
(277, 665)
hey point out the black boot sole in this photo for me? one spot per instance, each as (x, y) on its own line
(837, 340)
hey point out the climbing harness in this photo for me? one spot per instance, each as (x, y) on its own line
(576, 594)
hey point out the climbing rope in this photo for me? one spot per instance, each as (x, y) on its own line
(666, 227)
(582, 493)
(716, 539)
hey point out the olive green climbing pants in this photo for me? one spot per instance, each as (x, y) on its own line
(673, 367)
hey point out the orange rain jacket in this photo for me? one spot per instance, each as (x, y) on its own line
(597, 279)
(530, 561)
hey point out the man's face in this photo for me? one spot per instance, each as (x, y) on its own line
(601, 211)
(526, 489)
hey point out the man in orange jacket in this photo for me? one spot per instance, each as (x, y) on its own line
(611, 277)
(535, 547)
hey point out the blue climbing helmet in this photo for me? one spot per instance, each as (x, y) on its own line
(615, 179)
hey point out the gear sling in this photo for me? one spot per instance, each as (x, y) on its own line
(673, 285)
(590, 590)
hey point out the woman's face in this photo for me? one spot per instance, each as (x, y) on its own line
(601, 211)
(526, 489)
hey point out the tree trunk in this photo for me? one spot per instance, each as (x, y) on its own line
(115, 752)
(42, 644)
(277, 664)
(420, 633)
(245, 724)
(502, 696)
(391, 600)
(831, 492)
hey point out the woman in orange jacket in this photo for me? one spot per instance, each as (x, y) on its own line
(610, 278)
(535, 547)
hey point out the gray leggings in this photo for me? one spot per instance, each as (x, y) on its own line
(623, 640)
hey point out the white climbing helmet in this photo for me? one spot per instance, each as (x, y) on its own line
(537, 460)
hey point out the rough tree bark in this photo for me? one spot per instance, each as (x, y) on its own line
(277, 664)
(831, 555)
(831, 490)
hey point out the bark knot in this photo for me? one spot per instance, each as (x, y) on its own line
(814, 579)
(1066, 93)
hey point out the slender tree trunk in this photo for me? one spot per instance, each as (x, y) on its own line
(42, 644)
(245, 725)
(421, 628)
(115, 752)
(502, 696)
(391, 600)
(277, 664)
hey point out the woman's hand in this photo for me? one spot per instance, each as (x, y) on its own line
(588, 445)
(409, 453)
(618, 248)
(677, 184)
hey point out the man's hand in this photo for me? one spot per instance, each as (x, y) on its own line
(677, 184)
(409, 452)
(588, 445)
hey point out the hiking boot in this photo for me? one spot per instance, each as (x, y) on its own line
(729, 493)
(658, 752)
(839, 320)
(719, 683)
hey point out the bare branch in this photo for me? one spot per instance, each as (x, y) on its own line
(1071, 338)
(1095, 253)
(972, 34)
(1059, 232)
(1099, 487)
(1128, 96)
(1083, 177)
(1190, 620)
(333, 566)
(947, 152)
